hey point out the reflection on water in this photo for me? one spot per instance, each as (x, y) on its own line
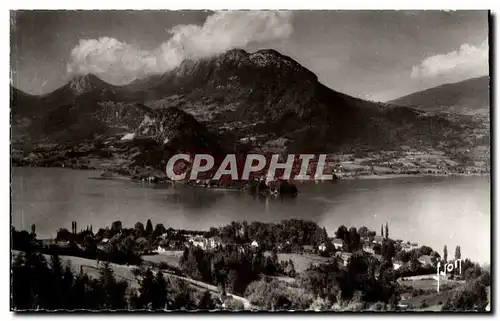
(430, 210)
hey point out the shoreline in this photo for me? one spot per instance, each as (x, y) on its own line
(340, 177)
(389, 176)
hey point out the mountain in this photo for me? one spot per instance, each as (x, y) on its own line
(470, 96)
(241, 101)
(85, 87)
(23, 104)
(87, 115)
(264, 96)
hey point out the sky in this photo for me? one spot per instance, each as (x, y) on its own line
(375, 55)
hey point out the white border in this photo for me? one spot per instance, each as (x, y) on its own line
(190, 4)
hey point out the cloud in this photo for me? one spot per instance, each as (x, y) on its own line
(121, 62)
(466, 62)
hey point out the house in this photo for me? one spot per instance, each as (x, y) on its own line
(426, 260)
(378, 239)
(215, 241)
(344, 256)
(409, 246)
(338, 243)
(203, 242)
(254, 244)
(105, 247)
(161, 249)
(397, 264)
(198, 241)
(368, 249)
(322, 247)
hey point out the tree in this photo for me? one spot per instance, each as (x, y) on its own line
(149, 227)
(112, 293)
(363, 232)
(382, 230)
(160, 291)
(341, 232)
(388, 250)
(56, 278)
(473, 297)
(445, 254)
(232, 281)
(63, 235)
(354, 240)
(146, 290)
(386, 230)
(274, 256)
(424, 250)
(139, 226)
(33, 230)
(159, 230)
(206, 301)
(290, 269)
(116, 227)
(458, 255)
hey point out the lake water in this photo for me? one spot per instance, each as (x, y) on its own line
(429, 210)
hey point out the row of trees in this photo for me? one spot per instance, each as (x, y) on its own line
(293, 232)
(36, 284)
(232, 268)
(357, 280)
(458, 254)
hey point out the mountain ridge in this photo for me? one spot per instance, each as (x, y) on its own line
(245, 102)
(466, 96)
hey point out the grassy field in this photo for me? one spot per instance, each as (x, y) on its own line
(301, 261)
(434, 301)
(170, 257)
(90, 267)
(429, 284)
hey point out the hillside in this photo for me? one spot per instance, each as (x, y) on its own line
(242, 101)
(470, 96)
(263, 96)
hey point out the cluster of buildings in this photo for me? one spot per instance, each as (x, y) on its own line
(368, 246)
(205, 243)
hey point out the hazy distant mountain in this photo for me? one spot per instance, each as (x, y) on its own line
(470, 96)
(234, 98)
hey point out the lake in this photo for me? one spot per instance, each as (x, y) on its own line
(432, 211)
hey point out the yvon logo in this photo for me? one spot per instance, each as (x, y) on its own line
(448, 268)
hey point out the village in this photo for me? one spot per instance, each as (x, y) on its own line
(287, 250)
(164, 244)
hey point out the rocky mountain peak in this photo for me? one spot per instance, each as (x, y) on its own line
(85, 83)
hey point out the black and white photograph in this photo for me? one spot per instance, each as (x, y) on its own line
(250, 160)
